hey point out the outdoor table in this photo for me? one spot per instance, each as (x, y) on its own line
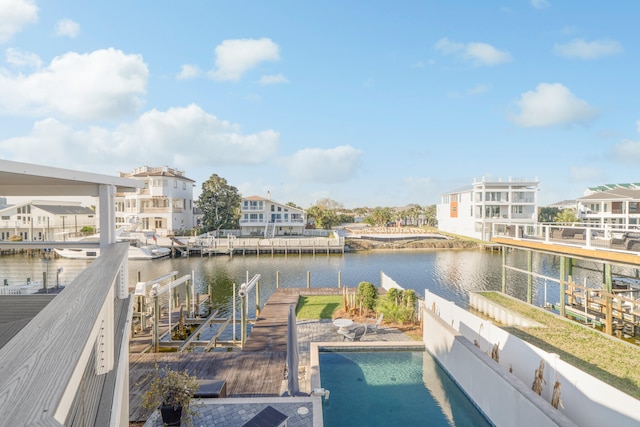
(343, 325)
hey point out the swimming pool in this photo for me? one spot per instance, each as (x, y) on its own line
(383, 388)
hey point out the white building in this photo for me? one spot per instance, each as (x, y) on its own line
(471, 211)
(263, 217)
(163, 206)
(618, 206)
(46, 220)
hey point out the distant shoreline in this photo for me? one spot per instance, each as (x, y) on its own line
(364, 244)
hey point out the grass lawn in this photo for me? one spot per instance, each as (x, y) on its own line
(318, 307)
(615, 363)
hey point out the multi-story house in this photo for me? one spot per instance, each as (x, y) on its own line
(471, 211)
(163, 206)
(617, 205)
(45, 220)
(264, 217)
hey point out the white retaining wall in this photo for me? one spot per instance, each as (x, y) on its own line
(449, 334)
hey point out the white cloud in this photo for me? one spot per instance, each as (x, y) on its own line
(579, 48)
(477, 53)
(67, 28)
(235, 57)
(20, 59)
(478, 89)
(627, 151)
(273, 79)
(324, 165)
(585, 174)
(103, 84)
(15, 15)
(552, 104)
(185, 137)
(540, 4)
(188, 72)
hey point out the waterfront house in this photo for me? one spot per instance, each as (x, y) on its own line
(39, 220)
(613, 205)
(64, 360)
(264, 217)
(472, 210)
(163, 206)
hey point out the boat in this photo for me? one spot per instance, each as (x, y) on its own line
(136, 252)
(30, 287)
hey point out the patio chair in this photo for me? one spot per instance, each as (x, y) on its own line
(374, 327)
(356, 335)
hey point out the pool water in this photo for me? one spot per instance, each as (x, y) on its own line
(389, 388)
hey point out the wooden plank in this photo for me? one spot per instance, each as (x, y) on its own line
(39, 363)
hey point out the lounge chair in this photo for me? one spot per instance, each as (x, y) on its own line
(374, 327)
(356, 335)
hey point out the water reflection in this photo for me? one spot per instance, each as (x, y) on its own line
(448, 273)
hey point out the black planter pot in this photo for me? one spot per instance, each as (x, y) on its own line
(171, 416)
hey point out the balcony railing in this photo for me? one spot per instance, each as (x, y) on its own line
(612, 238)
(71, 360)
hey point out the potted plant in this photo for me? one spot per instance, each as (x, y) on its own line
(171, 391)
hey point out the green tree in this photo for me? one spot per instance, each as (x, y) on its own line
(429, 213)
(547, 214)
(323, 217)
(567, 215)
(220, 204)
(367, 296)
(379, 216)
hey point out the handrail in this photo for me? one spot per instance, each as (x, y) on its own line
(608, 238)
(42, 367)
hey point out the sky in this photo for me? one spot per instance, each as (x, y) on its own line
(373, 103)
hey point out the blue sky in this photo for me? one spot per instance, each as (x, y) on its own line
(368, 103)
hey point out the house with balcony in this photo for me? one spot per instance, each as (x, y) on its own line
(163, 206)
(263, 217)
(472, 210)
(612, 205)
(40, 220)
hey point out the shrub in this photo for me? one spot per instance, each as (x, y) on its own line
(367, 295)
(87, 229)
(398, 306)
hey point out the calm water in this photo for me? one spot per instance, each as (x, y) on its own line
(401, 388)
(448, 273)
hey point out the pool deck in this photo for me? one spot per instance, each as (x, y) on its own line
(236, 411)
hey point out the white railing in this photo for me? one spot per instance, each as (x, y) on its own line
(613, 238)
(23, 289)
(72, 341)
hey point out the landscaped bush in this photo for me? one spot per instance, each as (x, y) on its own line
(367, 295)
(87, 229)
(398, 306)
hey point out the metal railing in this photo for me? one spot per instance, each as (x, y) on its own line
(612, 238)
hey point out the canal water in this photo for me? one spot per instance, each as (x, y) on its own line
(447, 273)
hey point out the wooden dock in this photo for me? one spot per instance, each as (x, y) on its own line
(258, 370)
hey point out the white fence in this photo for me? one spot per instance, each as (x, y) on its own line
(449, 334)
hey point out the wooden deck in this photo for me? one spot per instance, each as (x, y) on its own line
(256, 371)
